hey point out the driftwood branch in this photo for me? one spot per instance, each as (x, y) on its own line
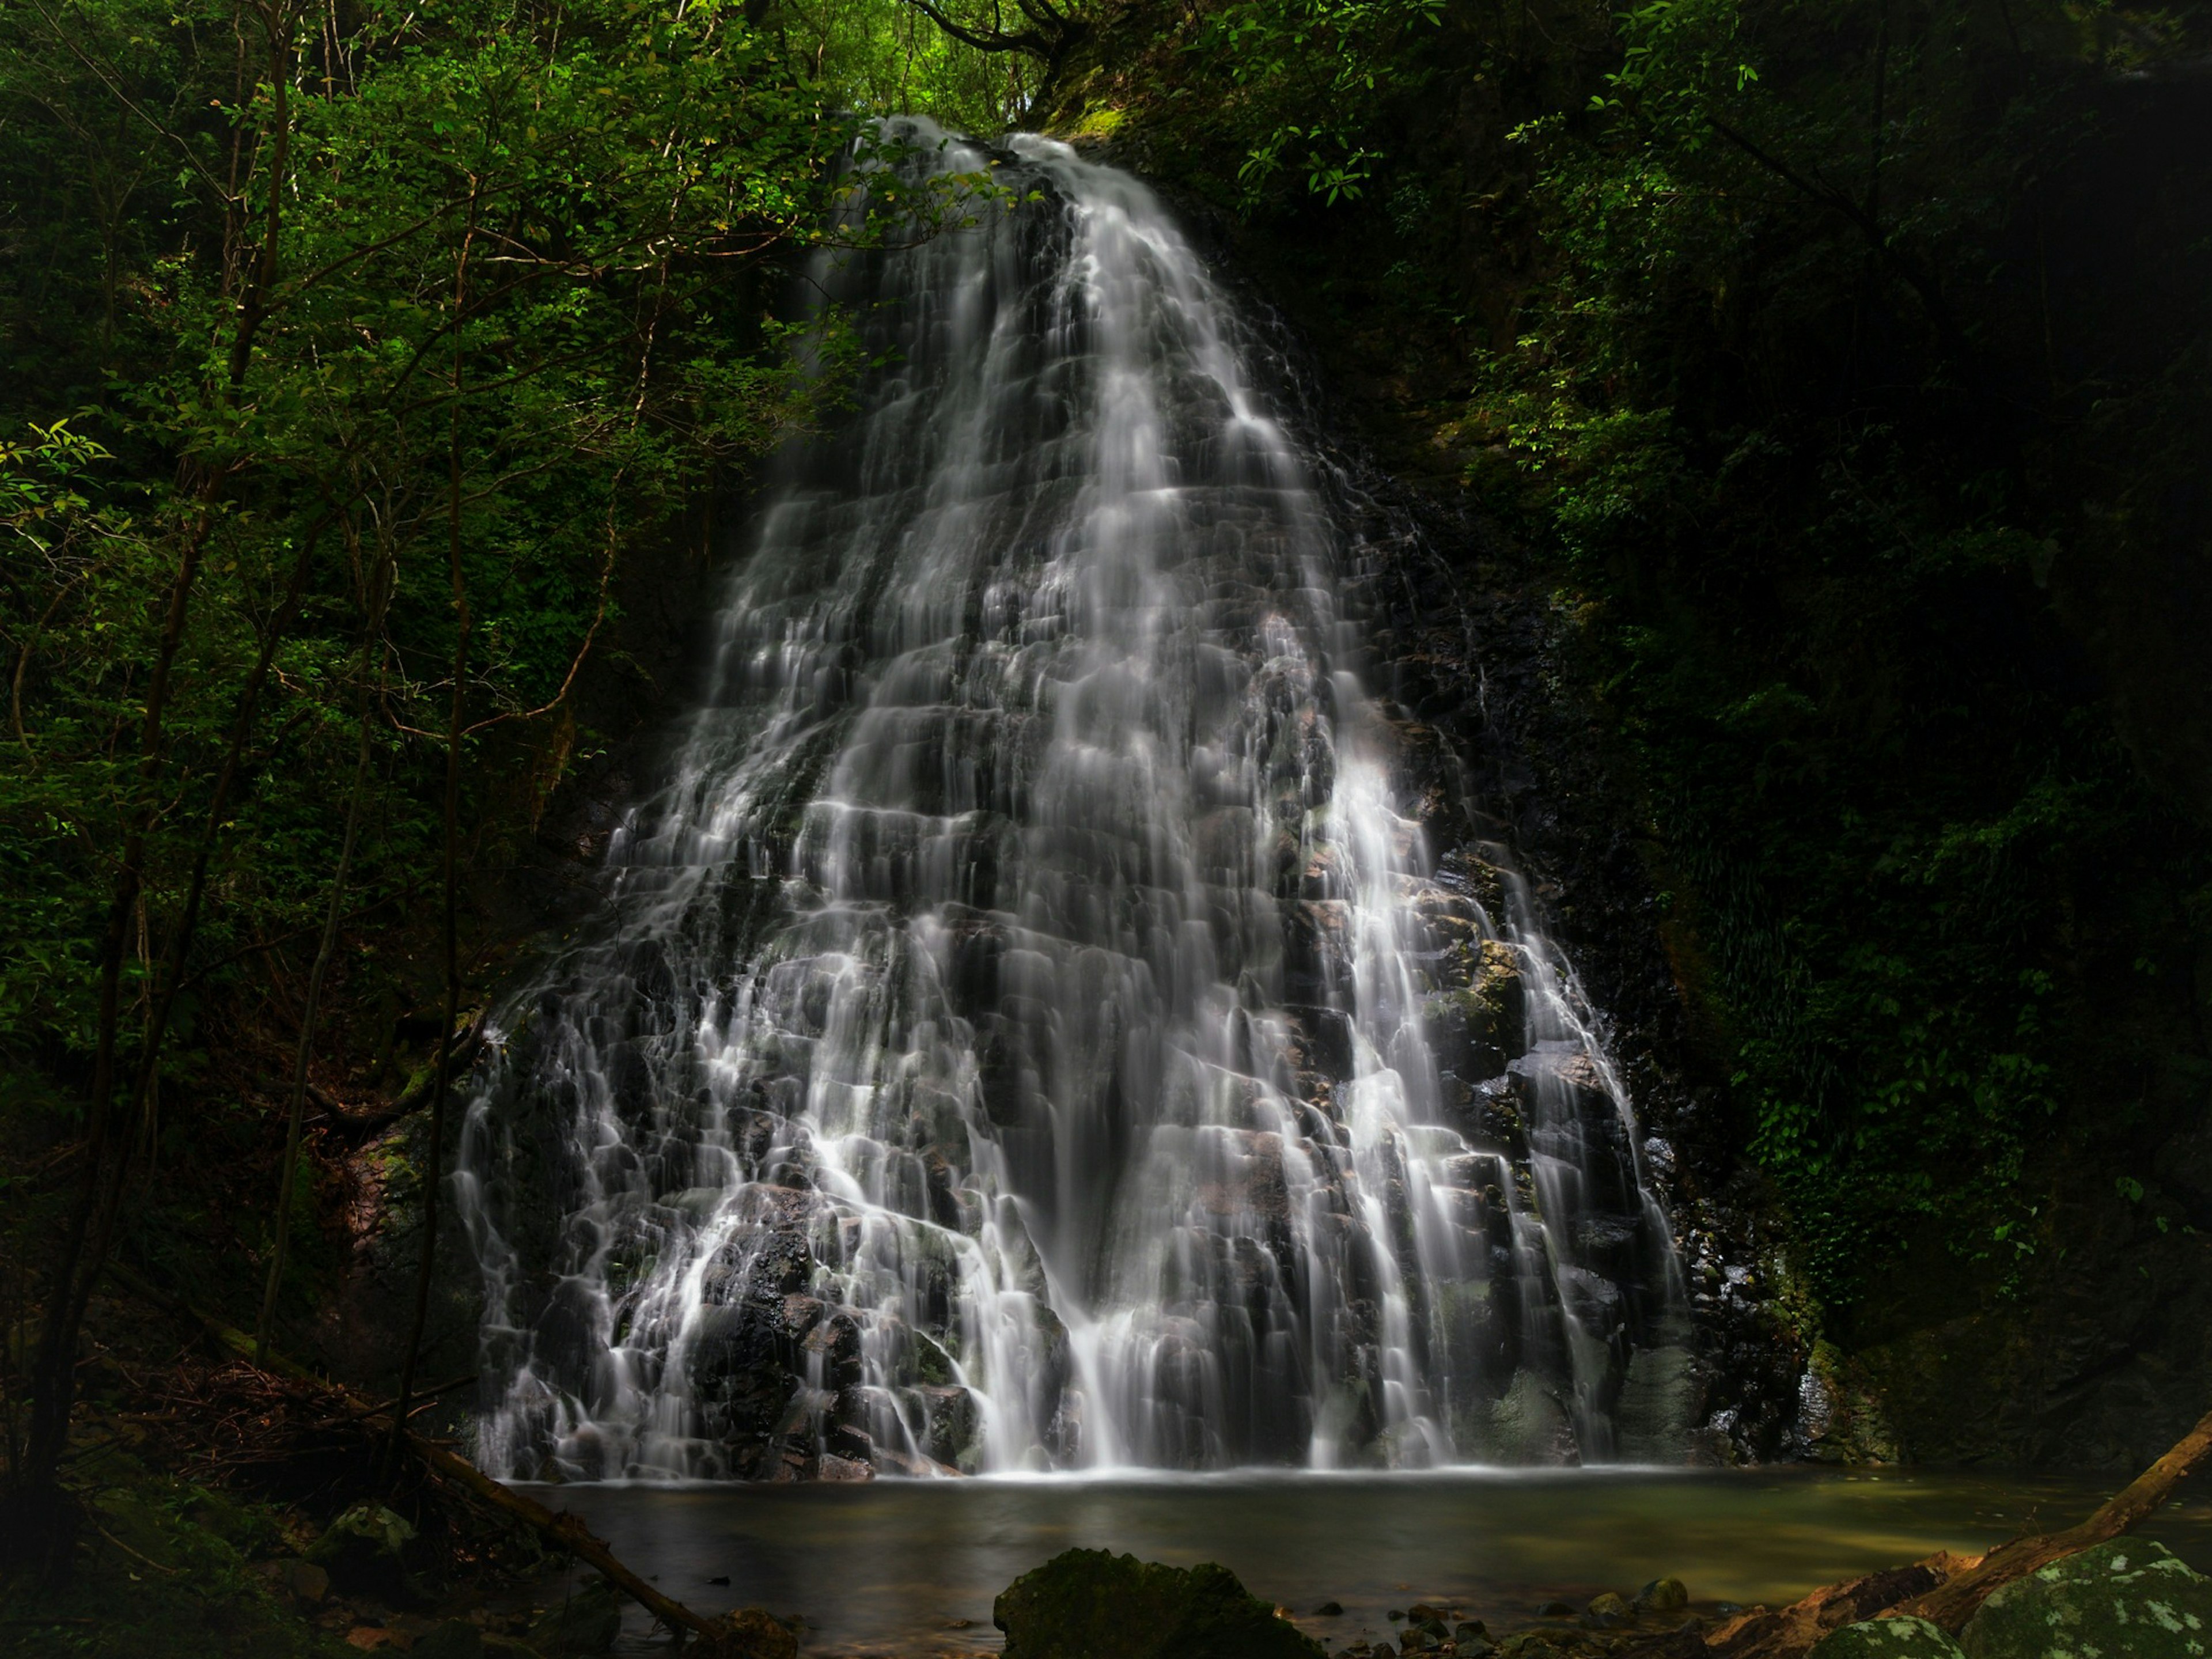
(1789, 1631)
(468, 1040)
(746, 1634)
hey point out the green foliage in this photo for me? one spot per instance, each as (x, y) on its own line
(393, 337)
(386, 340)
(459, 301)
(886, 58)
(1790, 412)
(1304, 75)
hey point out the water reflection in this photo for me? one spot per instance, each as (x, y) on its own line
(892, 1567)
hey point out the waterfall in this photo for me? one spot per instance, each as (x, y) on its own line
(1031, 1028)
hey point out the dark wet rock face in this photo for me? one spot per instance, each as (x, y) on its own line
(1091, 1604)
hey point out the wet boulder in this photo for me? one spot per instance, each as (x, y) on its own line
(1479, 1021)
(1006, 1073)
(1091, 1604)
(1321, 1048)
(751, 1633)
(1317, 953)
(1558, 1084)
(950, 1423)
(761, 1266)
(742, 1362)
(2125, 1597)
(586, 1622)
(1489, 1113)
(1241, 1174)
(832, 1346)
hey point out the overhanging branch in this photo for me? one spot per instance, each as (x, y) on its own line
(1051, 34)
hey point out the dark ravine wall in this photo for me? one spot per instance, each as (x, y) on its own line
(2095, 1350)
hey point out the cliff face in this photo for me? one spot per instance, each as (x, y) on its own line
(1892, 872)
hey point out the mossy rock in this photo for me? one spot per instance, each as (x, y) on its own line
(754, 1634)
(247, 1530)
(1887, 1639)
(2126, 1597)
(368, 1550)
(586, 1622)
(124, 1518)
(1663, 1595)
(1091, 1604)
(455, 1638)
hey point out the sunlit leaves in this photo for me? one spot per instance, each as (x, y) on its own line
(1307, 73)
(523, 265)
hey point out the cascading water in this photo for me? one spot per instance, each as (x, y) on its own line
(1023, 1033)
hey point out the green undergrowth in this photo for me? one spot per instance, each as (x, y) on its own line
(163, 1566)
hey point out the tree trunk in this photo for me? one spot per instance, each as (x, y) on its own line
(426, 1268)
(323, 951)
(719, 1636)
(30, 1525)
(78, 1271)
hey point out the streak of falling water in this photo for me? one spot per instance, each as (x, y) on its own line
(1024, 1033)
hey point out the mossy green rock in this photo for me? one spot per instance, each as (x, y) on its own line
(1887, 1639)
(585, 1623)
(366, 1550)
(1663, 1595)
(2123, 1598)
(455, 1638)
(127, 1519)
(1091, 1604)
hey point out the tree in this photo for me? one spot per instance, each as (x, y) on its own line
(458, 303)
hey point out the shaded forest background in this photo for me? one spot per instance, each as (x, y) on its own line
(1829, 375)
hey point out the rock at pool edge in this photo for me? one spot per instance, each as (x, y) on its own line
(2125, 1597)
(1092, 1604)
(1886, 1638)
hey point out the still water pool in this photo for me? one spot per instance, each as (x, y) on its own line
(910, 1567)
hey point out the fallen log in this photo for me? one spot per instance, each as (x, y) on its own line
(1786, 1632)
(468, 1043)
(747, 1633)
(1959, 1597)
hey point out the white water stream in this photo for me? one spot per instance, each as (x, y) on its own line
(1023, 1032)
